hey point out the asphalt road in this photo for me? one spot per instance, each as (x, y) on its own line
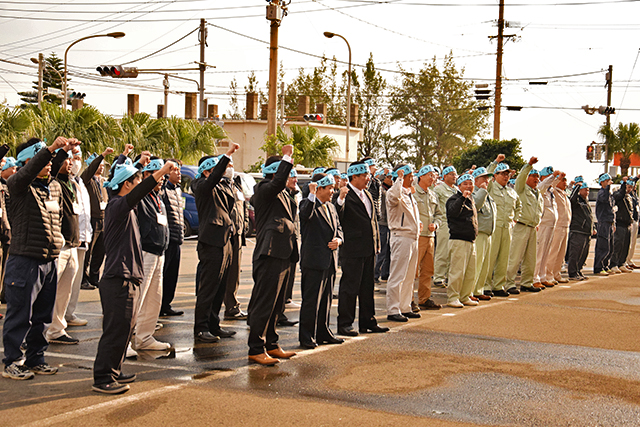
(567, 356)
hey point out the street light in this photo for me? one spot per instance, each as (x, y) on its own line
(116, 35)
(329, 35)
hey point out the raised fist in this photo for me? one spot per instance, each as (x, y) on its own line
(343, 192)
(533, 161)
(287, 150)
(500, 158)
(233, 147)
(312, 187)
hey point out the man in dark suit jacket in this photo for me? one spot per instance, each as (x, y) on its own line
(276, 248)
(361, 243)
(216, 205)
(321, 237)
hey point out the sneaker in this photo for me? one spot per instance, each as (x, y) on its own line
(603, 273)
(111, 388)
(159, 326)
(470, 302)
(563, 280)
(455, 304)
(430, 305)
(616, 270)
(575, 278)
(583, 277)
(76, 321)
(17, 372)
(126, 379)
(625, 269)
(43, 369)
(64, 339)
(154, 345)
(131, 353)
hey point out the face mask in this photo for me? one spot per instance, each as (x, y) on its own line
(229, 173)
(75, 167)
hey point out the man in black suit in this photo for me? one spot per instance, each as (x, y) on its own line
(216, 206)
(357, 255)
(276, 248)
(321, 237)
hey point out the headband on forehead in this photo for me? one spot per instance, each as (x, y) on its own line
(379, 172)
(90, 159)
(464, 177)
(481, 171)
(603, 177)
(370, 162)
(318, 170)
(546, 171)
(272, 168)
(407, 169)
(122, 173)
(9, 163)
(583, 185)
(153, 165)
(358, 169)
(334, 172)
(343, 176)
(578, 179)
(69, 155)
(210, 163)
(501, 167)
(127, 161)
(29, 152)
(326, 181)
(534, 172)
(425, 170)
(448, 170)
(293, 173)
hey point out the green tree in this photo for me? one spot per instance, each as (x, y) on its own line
(189, 140)
(309, 148)
(49, 79)
(234, 112)
(13, 124)
(487, 152)
(625, 140)
(437, 112)
(372, 112)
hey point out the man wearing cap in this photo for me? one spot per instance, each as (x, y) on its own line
(321, 237)
(429, 211)
(462, 217)
(558, 248)
(357, 255)
(548, 179)
(624, 219)
(444, 191)
(31, 275)
(216, 205)
(523, 241)
(405, 226)
(581, 229)
(123, 272)
(606, 217)
(276, 249)
(508, 207)
(486, 208)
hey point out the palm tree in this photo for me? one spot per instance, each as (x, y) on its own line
(625, 140)
(309, 148)
(13, 124)
(189, 140)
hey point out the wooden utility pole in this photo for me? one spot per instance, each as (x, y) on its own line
(498, 93)
(274, 14)
(202, 66)
(40, 79)
(609, 83)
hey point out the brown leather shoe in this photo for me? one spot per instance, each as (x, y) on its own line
(483, 297)
(548, 284)
(472, 298)
(280, 353)
(539, 285)
(263, 359)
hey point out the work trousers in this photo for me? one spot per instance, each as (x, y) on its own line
(523, 251)
(119, 298)
(425, 267)
(356, 283)
(75, 287)
(463, 270)
(231, 303)
(604, 247)
(498, 260)
(621, 242)
(383, 258)
(94, 259)
(214, 269)
(483, 251)
(317, 291)
(270, 276)
(557, 254)
(442, 256)
(170, 274)
(30, 290)
(67, 266)
(150, 300)
(633, 238)
(577, 253)
(544, 238)
(402, 274)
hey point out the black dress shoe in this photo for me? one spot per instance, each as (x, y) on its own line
(397, 318)
(308, 345)
(347, 331)
(488, 293)
(223, 333)
(530, 289)
(207, 337)
(331, 340)
(500, 293)
(375, 329)
(126, 379)
(287, 322)
(513, 291)
(171, 312)
(240, 315)
(411, 315)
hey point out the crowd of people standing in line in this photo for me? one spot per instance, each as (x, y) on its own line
(469, 233)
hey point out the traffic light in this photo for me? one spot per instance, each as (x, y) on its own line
(71, 95)
(313, 117)
(482, 92)
(590, 152)
(117, 71)
(606, 110)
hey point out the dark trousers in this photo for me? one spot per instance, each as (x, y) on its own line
(170, 274)
(95, 255)
(231, 303)
(5, 255)
(119, 299)
(30, 290)
(317, 292)
(383, 259)
(356, 283)
(604, 247)
(267, 299)
(288, 290)
(578, 249)
(621, 242)
(214, 269)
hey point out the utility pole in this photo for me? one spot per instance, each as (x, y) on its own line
(165, 82)
(282, 104)
(609, 83)
(40, 79)
(202, 66)
(274, 14)
(498, 94)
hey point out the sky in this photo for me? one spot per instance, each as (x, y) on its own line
(569, 44)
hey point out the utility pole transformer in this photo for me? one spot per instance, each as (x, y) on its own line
(274, 14)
